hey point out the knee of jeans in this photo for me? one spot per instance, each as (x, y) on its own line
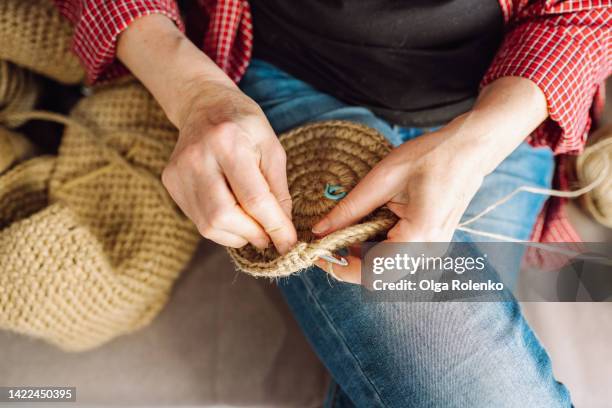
(443, 345)
(453, 326)
(454, 347)
(447, 327)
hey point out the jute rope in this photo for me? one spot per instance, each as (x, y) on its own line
(602, 174)
(590, 166)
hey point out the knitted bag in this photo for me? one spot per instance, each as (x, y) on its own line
(34, 35)
(90, 243)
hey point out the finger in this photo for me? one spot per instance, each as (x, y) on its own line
(221, 212)
(240, 223)
(405, 231)
(274, 168)
(350, 273)
(422, 226)
(253, 193)
(360, 201)
(203, 195)
(226, 239)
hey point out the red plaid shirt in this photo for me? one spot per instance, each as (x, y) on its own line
(564, 46)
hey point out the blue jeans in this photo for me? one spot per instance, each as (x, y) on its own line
(452, 354)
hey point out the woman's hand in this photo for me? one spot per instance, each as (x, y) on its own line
(429, 181)
(227, 172)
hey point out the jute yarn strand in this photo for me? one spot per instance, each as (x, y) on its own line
(92, 244)
(589, 167)
(331, 153)
(14, 148)
(35, 36)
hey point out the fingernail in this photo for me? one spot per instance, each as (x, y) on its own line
(321, 227)
(261, 242)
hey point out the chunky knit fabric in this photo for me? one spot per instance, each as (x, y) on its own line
(34, 35)
(90, 242)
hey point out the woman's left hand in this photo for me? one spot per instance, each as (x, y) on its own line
(429, 181)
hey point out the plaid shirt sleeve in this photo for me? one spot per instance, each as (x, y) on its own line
(98, 23)
(229, 37)
(565, 47)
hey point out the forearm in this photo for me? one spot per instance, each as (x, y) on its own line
(166, 62)
(506, 112)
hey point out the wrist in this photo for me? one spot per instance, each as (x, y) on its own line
(213, 101)
(505, 114)
(169, 65)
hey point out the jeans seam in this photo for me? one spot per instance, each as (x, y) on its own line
(340, 336)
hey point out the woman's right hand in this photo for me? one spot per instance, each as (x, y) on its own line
(227, 172)
(228, 169)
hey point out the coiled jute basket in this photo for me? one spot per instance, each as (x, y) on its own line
(90, 242)
(320, 155)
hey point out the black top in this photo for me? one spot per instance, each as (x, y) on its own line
(413, 62)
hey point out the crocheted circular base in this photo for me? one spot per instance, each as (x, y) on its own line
(325, 160)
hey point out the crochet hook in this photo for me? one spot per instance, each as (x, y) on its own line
(329, 258)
